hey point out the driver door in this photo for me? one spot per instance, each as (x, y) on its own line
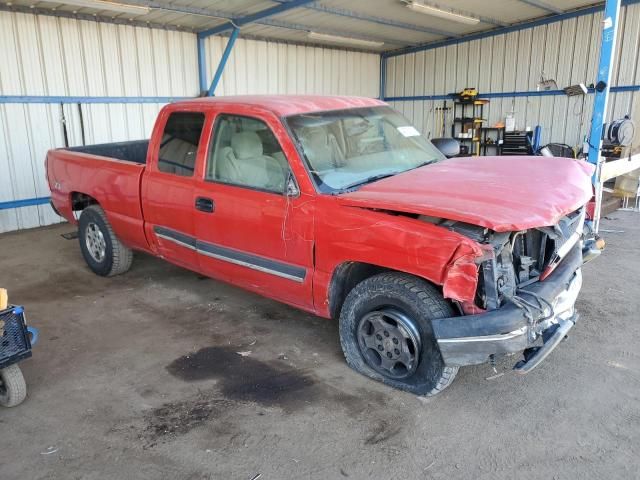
(254, 234)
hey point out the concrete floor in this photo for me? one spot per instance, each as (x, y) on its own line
(138, 376)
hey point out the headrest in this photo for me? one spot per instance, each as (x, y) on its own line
(315, 138)
(246, 145)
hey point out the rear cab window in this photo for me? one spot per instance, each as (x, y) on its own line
(179, 144)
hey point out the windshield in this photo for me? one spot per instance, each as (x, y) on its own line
(345, 149)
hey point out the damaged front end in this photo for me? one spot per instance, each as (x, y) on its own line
(528, 282)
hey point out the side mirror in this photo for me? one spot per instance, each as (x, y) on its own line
(449, 147)
(291, 187)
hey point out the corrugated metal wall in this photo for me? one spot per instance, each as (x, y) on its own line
(43, 55)
(50, 56)
(567, 51)
(269, 67)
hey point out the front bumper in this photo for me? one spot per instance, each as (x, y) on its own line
(473, 339)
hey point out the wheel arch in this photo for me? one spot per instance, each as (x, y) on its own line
(80, 201)
(348, 274)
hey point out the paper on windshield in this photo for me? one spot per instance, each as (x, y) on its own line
(408, 131)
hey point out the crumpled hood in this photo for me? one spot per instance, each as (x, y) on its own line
(500, 193)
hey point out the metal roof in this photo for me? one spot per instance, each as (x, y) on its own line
(386, 21)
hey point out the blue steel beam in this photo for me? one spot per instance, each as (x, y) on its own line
(543, 6)
(77, 99)
(607, 53)
(531, 93)
(27, 202)
(106, 100)
(254, 17)
(223, 61)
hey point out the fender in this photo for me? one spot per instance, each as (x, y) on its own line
(395, 242)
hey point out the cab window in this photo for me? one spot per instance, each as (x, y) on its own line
(245, 152)
(180, 143)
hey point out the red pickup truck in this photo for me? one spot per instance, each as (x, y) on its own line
(338, 206)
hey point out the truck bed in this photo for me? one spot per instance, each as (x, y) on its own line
(111, 175)
(133, 151)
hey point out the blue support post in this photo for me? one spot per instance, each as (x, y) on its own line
(223, 61)
(383, 76)
(607, 52)
(202, 65)
(537, 138)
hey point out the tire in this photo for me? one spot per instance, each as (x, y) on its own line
(13, 389)
(396, 306)
(101, 249)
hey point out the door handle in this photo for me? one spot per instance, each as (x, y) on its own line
(205, 205)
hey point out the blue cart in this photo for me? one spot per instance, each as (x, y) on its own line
(16, 340)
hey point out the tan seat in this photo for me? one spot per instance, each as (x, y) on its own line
(244, 164)
(177, 156)
(322, 149)
(281, 159)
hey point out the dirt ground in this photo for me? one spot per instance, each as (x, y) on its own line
(162, 374)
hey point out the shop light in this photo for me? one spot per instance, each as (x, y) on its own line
(345, 40)
(110, 6)
(440, 13)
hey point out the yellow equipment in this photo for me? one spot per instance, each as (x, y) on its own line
(4, 303)
(468, 94)
(4, 300)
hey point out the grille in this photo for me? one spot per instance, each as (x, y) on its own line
(524, 257)
(533, 249)
(14, 338)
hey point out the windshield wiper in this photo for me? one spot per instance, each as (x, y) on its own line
(428, 162)
(371, 179)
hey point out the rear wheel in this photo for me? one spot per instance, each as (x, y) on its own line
(386, 333)
(101, 249)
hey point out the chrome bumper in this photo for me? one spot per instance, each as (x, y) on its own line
(544, 335)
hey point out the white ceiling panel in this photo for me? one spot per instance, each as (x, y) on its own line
(387, 21)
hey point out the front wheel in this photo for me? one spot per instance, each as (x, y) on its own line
(386, 333)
